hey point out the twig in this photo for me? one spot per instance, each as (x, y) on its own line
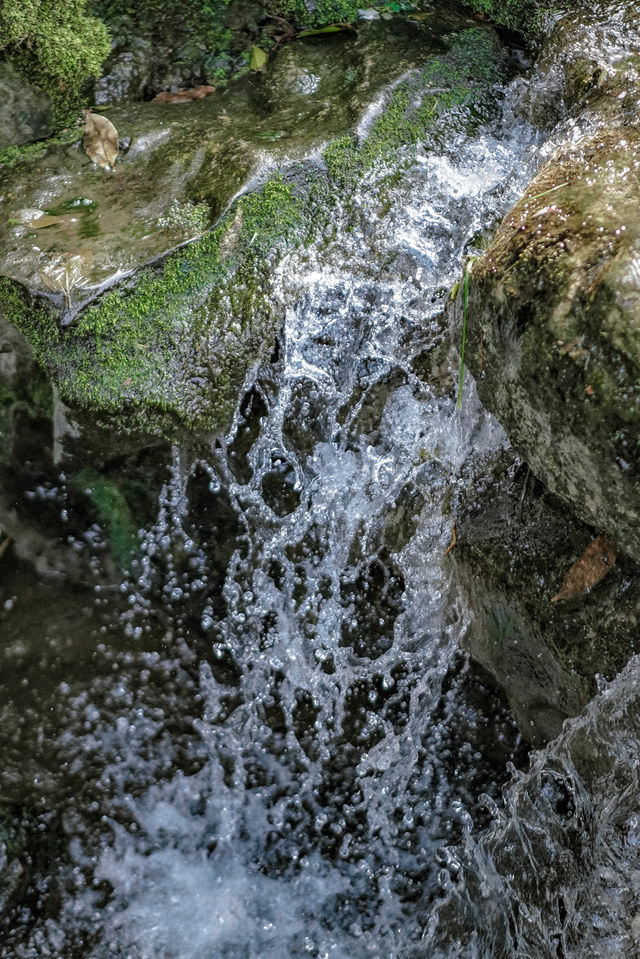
(3, 546)
(453, 540)
(467, 274)
(289, 33)
(524, 493)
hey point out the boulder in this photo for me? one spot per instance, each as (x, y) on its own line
(515, 545)
(553, 317)
(26, 109)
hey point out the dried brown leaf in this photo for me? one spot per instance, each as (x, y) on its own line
(596, 561)
(64, 274)
(36, 219)
(100, 140)
(184, 96)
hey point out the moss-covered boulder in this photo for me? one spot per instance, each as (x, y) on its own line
(515, 546)
(172, 345)
(56, 46)
(553, 319)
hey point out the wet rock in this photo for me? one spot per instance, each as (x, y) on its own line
(571, 824)
(170, 346)
(26, 109)
(554, 305)
(127, 73)
(515, 545)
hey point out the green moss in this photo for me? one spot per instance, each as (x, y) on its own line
(523, 16)
(320, 13)
(55, 46)
(27, 152)
(114, 514)
(173, 349)
(515, 14)
(452, 93)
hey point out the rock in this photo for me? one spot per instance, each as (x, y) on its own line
(554, 304)
(515, 544)
(200, 152)
(26, 109)
(562, 849)
(171, 345)
(127, 73)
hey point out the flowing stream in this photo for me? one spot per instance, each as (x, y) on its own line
(261, 743)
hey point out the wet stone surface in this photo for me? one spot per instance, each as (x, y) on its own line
(515, 545)
(554, 305)
(198, 152)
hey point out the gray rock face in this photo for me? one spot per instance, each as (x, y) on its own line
(516, 544)
(127, 74)
(26, 109)
(554, 305)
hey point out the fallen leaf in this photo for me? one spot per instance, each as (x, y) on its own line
(184, 96)
(100, 140)
(258, 59)
(454, 540)
(36, 219)
(597, 560)
(64, 274)
(332, 28)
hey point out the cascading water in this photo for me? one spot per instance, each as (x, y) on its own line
(281, 740)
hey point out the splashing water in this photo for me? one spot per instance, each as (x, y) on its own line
(301, 563)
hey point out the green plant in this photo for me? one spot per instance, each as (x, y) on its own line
(465, 301)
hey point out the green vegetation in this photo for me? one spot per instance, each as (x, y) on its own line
(523, 16)
(54, 45)
(320, 13)
(113, 512)
(451, 93)
(27, 152)
(173, 349)
(515, 14)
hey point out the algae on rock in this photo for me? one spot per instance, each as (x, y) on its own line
(553, 335)
(172, 346)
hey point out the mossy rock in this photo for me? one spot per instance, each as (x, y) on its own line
(182, 164)
(55, 46)
(172, 346)
(26, 109)
(553, 328)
